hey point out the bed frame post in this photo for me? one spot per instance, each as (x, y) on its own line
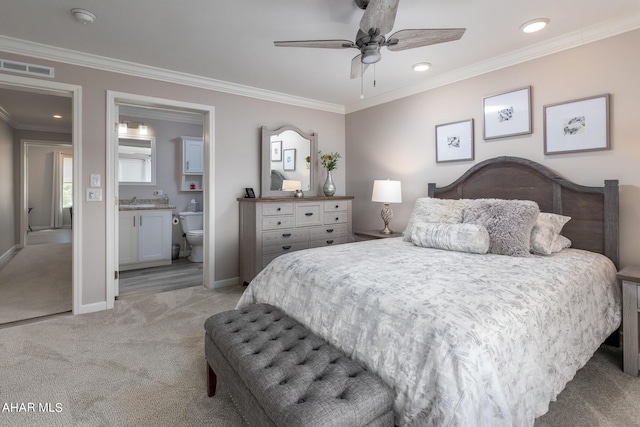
(611, 221)
(212, 381)
(431, 189)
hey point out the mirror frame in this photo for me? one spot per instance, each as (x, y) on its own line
(152, 140)
(265, 183)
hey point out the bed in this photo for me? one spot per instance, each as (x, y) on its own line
(465, 338)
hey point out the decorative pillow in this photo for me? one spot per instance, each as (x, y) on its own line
(508, 222)
(470, 238)
(546, 231)
(560, 244)
(428, 209)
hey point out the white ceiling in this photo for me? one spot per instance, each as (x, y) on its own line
(232, 41)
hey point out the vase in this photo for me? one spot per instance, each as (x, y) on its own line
(329, 188)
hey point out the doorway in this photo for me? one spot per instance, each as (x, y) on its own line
(19, 194)
(116, 100)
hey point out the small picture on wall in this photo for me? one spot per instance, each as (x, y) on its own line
(454, 141)
(289, 159)
(276, 151)
(507, 114)
(580, 125)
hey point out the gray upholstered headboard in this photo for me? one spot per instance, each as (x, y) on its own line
(594, 221)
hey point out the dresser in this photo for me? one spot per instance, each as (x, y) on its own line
(270, 227)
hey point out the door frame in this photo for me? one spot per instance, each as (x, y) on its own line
(114, 100)
(75, 93)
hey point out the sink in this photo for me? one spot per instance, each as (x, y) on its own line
(138, 206)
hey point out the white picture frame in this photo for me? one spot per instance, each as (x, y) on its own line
(289, 159)
(454, 141)
(507, 114)
(577, 126)
(276, 151)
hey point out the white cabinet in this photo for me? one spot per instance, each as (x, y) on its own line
(144, 238)
(192, 163)
(272, 227)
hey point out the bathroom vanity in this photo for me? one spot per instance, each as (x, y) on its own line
(144, 236)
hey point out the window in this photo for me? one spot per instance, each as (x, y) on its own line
(67, 181)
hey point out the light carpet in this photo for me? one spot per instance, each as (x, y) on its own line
(143, 364)
(36, 282)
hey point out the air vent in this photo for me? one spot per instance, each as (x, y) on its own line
(24, 68)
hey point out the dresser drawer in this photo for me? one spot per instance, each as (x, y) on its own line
(285, 247)
(277, 222)
(338, 205)
(285, 236)
(277, 209)
(329, 241)
(335, 217)
(328, 231)
(308, 214)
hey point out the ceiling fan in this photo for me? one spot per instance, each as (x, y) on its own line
(378, 19)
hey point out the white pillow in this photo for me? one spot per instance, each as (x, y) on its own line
(428, 209)
(545, 232)
(560, 244)
(469, 238)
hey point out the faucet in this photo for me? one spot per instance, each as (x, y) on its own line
(134, 200)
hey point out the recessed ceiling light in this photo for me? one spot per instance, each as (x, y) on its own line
(421, 66)
(535, 25)
(57, 116)
(83, 16)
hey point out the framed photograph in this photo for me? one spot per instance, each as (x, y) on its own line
(507, 114)
(276, 151)
(289, 159)
(454, 141)
(579, 125)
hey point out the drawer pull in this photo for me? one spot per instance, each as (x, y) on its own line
(279, 223)
(329, 242)
(337, 206)
(286, 234)
(330, 230)
(337, 219)
(286, 248)
(309, 213)
(278, 210)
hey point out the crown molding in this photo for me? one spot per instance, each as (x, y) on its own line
(52, 53)
(606, 29)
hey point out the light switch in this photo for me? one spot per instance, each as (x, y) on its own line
(95, 180)
(94, 194)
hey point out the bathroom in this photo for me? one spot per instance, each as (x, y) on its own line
(172, 134)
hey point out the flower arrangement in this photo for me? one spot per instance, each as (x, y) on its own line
(329, 161)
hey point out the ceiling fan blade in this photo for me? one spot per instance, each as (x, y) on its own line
(380, 14)
(357, 67)
(409, 39)
(326, 44)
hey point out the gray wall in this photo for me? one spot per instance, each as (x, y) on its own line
(237, 149)
(397, 140)
(8, 232)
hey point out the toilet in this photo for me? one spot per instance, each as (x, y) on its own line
(191, 223)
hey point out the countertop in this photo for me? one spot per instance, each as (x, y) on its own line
(145, 207)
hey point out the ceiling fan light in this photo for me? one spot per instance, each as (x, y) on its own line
(371, 55)
(421, 66)
(534, 25)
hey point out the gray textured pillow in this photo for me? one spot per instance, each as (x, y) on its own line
(546, 231)
(560, 244)
(428, 209)
(509, 223)
(470, 238)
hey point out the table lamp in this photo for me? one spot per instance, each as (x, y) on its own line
(386, 191)
(292, 185)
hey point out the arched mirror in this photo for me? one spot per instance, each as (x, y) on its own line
(290, 155)
(136, 160)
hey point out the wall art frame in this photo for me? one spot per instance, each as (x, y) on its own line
(507, 114)
(454, 141)
(577, 126)
(289, 158)
(276, 151)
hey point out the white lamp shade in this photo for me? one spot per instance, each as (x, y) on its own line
(291, 185)
(386, 191)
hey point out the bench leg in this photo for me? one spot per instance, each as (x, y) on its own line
(212, 381)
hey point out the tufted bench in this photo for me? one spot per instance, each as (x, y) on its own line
(280, 374)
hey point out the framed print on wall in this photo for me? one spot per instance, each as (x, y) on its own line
(579, 125)
(289, 159)
(454, 141)
(507, 114)
(276, 151)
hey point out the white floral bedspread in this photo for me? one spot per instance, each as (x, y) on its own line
(463, 339)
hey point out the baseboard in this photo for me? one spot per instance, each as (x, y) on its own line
(9, 252)
(226, 282)
(92, 308)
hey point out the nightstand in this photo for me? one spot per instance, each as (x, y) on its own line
(375, 234)
(630, 277)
